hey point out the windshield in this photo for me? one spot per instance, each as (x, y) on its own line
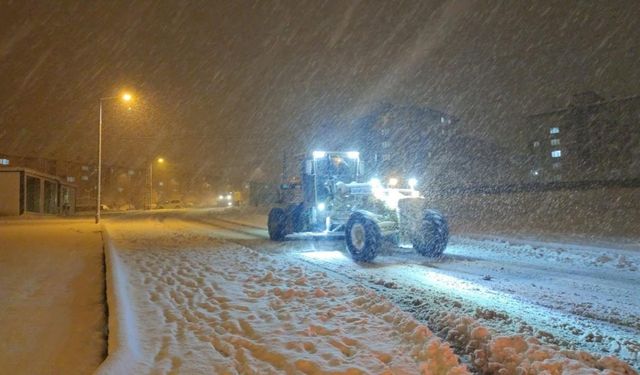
(337, 167)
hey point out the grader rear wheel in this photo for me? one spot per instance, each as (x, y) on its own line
(277, 224)
(432, 236)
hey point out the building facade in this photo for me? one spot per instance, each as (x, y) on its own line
(26, 191)
(592, 139)
(121, 186)
(400, 141)
(405, 142)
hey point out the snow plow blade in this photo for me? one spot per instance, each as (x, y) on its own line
(316, 236)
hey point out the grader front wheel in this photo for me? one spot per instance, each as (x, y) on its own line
(363, 237)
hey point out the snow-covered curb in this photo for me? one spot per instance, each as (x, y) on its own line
(123, 342)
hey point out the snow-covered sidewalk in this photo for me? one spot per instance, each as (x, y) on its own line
(52, 317)
(203, 305)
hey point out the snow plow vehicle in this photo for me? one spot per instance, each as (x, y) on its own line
(331, 200)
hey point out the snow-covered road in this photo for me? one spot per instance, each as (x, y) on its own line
(565, 296)
(201, 304)
(576, 296)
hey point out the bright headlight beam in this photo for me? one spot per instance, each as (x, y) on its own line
(353, 154)
(319, 154)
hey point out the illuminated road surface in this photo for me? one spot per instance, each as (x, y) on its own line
(585, 299)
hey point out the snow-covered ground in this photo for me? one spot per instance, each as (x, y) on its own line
(204, 289)
(577, 296)
(52, 317)
(204, 305)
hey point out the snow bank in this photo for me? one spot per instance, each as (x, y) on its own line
(521, 355)
(123, 343)
(207, 306)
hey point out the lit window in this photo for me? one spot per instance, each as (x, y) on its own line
(4, 161)
(536, 144)
(556, 165)
(386, 144)
(85, 178)
(555, 142)
(85, 168)
(556, 153)
(554, 130)
(71, 179)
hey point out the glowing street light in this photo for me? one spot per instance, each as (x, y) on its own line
(126, 97)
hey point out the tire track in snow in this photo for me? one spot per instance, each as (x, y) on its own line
(508, 313)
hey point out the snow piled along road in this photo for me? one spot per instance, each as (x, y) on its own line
(201, 304)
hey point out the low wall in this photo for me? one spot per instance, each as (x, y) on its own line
(608, 211)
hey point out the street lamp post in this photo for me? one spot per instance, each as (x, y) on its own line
(125, 97)
(159, 160)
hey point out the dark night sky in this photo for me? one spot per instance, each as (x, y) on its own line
(228, 85)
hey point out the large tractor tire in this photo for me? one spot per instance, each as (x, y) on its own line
(432, 236)
(277, 224)
(295, 219)
(363, 237)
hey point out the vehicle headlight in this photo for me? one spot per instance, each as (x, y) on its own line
(319, 154)
(321, 206)
(412, 183)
